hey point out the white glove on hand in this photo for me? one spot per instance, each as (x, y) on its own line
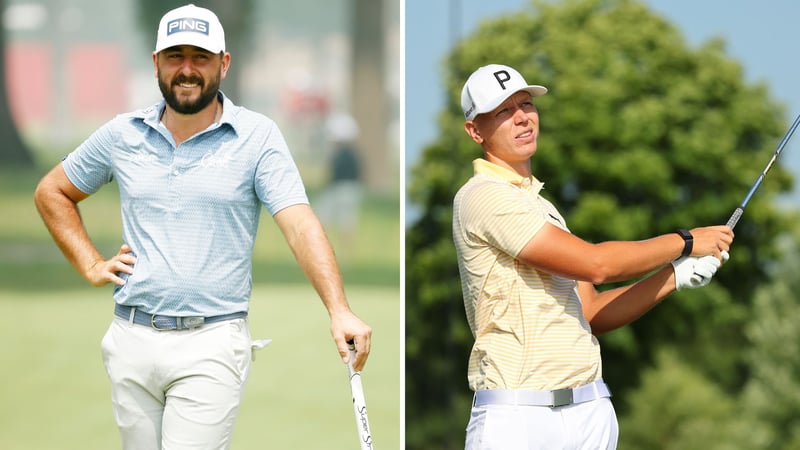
(696, 271)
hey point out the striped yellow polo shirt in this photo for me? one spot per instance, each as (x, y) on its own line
(528, 325)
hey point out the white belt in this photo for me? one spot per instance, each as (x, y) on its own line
(559, 397)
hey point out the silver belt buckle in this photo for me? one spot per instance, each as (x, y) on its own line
(562, 397)
(181, 323)
(191, 322)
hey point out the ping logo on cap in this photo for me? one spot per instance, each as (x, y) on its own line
(187, 24)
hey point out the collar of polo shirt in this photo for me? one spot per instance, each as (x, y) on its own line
(484, 167)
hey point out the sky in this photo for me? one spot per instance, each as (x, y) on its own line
(761, 35)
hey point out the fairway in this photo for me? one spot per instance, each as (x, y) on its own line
(56, 394)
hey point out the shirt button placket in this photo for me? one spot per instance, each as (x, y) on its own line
(174, 182)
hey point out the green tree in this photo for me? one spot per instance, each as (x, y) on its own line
(677, 408)
(772, 396)
(640, 135)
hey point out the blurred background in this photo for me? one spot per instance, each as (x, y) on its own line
(660, 115)
(328, 72)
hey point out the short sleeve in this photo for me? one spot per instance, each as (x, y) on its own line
(278, 183)
(89, 166)
(502, 216)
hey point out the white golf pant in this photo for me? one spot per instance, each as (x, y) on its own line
(581, 426)
(177, 390)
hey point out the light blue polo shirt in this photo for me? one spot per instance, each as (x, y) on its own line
(190, 213)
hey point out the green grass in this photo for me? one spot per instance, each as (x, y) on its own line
(56, 394)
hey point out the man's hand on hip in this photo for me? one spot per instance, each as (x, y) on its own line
(104, 272)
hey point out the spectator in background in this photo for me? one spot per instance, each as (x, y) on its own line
(339, 204)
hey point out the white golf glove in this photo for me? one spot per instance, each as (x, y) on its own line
(693, 272)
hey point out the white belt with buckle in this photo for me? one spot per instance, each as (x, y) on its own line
(559, 397)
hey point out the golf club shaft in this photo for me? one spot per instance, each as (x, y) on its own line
(359, 404)
(737, 214)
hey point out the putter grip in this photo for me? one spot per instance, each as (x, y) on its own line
(359, 404)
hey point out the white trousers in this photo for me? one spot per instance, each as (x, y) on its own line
(177, 390)
(581, 426)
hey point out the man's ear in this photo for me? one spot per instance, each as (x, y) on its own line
(226, 64)
(473, 132)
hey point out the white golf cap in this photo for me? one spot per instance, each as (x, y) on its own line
(491, 85)
(191, 25)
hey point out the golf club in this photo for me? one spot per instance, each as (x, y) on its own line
(737, 213)
(359, 404)
(734, 219)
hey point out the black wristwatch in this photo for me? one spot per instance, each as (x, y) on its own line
(688, 241)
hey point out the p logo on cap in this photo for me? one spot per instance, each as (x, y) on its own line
(491, 85)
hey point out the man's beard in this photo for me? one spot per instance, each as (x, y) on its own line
(207, 93)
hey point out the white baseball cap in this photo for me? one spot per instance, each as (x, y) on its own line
(191, 25)
(491, 85)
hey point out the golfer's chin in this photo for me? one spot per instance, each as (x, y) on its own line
(187, 105)
(188, 100)
(528, 150)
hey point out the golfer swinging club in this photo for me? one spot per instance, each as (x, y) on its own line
(193, 172)
(529, 284)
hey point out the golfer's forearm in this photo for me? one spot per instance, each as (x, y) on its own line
(62, 219)
(626, 260)
(618, 307)
(314, 255)
(316, 258)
